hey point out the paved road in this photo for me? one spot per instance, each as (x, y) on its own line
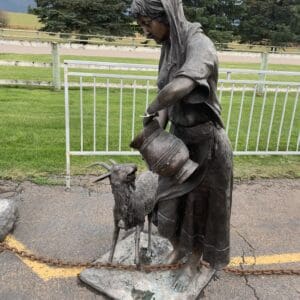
(102, 51)
(77, 225)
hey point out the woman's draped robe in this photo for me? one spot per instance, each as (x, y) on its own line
(196, 214)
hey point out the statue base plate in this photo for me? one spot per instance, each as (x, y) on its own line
(128, 285)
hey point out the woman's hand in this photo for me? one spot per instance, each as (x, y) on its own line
(147, 118)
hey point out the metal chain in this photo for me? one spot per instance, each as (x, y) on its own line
(243, 272)
(143, 268)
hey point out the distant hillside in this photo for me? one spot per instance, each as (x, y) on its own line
(16, 5)
(18, 20)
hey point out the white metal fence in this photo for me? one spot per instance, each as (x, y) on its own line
(33, 79)
(102, 112)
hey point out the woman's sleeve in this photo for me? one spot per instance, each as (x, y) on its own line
(200, 63)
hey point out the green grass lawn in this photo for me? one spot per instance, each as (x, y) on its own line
(32, 128)
(45, 74)
(33, 137)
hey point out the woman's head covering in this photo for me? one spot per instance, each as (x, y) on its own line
(173, 9)
(147, 8)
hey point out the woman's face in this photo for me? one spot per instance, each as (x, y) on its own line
(154, 29)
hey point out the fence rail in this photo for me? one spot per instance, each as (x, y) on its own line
(132, 67)
(103, 114)
(224, 73)
(132, 41)
(72, 38)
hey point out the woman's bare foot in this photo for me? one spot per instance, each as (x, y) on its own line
(184, 278)
(186, 275)
(190, 273)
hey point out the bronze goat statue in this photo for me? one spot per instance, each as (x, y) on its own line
(134, 199)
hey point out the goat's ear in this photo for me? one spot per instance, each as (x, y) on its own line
(102, 177)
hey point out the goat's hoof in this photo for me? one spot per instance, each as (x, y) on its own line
(149, 253)
(145, 256)
(137, 261)
(110, 260)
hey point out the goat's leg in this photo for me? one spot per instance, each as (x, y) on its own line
(149, 249)
(138, 230)
(114, 242)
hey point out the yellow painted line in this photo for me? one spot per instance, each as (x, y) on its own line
(42, 270)
(46, 273)
(265, 259)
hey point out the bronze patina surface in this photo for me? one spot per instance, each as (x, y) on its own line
(194, 215)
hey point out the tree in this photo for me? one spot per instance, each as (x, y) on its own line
(3, 19)
(295, 21)
(270, 22)
(218, 17)
(85, 16)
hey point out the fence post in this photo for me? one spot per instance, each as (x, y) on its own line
(262, 76)
(55, 67)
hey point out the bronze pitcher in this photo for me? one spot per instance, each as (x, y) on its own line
(164, 153)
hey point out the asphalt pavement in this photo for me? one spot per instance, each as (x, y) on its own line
(77, 225)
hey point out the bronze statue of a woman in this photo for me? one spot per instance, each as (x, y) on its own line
(193, 215)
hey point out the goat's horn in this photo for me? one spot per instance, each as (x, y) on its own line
(102, 177)
(113, 161)
(101, 164)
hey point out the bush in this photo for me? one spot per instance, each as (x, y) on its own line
(3, 19)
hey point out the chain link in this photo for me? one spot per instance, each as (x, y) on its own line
(144, 268)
